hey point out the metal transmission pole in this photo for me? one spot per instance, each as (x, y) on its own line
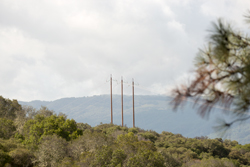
(122, 97)
(133, 91)
(111, 98)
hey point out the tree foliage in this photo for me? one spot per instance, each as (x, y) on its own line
(52, 140)
(222, 74)
(8, 108)
(51, 151)
(21, 157)
(41, 125)
(7, 128)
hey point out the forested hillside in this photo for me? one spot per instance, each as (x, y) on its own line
(30, 137)
(151, 112)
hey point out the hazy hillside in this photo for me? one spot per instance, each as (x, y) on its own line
(151, 112)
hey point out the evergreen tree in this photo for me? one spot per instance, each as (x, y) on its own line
(222, 74)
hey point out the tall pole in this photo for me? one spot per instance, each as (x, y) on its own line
(111, 98)
(133, 91)
(122, 97)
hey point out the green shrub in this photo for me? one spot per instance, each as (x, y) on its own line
(133, 130)
(8, 145)
(215, 162)
(148, 135)
(4, 158)
(21, 157)
(7, 128)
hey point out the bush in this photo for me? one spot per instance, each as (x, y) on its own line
(103, 127)
(8, 145)
(149, 136)
(21, 157)
(51, 151)
(133, 130)
(7, 128)
(83, 127)
(215, 162)
(147, 158)
(4, 158)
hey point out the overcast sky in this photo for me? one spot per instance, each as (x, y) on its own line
(50, 49)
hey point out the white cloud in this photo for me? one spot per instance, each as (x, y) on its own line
(232, 11)
(176, 26)
(51, 49)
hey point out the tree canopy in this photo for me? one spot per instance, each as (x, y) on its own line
(40, 126)
(45, 138)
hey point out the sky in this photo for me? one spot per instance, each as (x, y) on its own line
(51, 49)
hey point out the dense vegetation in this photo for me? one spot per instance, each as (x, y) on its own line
(30, 137)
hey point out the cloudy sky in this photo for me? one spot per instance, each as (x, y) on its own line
(50, 49)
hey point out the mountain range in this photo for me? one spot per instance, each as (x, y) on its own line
(152, 112)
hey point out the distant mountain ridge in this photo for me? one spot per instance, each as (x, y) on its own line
(151, 112)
